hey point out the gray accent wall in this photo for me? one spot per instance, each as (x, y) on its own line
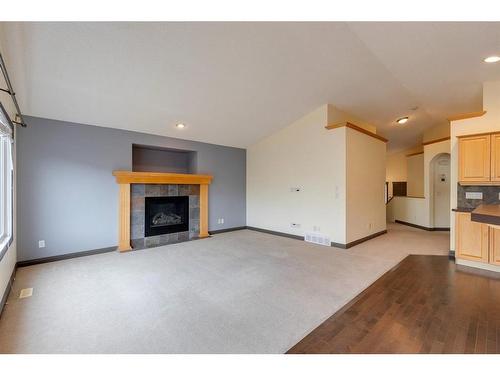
(67, 196)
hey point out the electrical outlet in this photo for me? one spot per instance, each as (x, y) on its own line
(41, 243)
(473, 195)
(295, 225)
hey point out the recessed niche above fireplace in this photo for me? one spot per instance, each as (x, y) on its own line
(164, 215)
(167, 160)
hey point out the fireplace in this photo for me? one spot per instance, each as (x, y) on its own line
(165, 215)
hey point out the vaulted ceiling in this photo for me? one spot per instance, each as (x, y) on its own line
(235, 83)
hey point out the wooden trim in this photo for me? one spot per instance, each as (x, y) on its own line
(476, 134)
(127, 177)
(332, 244)
(361, 240)
(56, 258)
(435, 229)
(219, 231)
(274, 233)
(415, 153)
(479, 183)
(359, 129)
(436, 141)
(124, 218)
(204, 211)
(464, 116)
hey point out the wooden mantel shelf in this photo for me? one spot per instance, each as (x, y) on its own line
(125, 178)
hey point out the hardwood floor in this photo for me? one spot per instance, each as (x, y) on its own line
(424, 305)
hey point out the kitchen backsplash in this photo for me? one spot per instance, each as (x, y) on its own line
(490, 195)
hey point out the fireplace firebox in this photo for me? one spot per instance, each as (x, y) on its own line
(165, 215)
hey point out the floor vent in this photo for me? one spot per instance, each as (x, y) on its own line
(28, 292)
(317, 238)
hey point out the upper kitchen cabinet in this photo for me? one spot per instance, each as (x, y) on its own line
(495, 157)
(474, 158)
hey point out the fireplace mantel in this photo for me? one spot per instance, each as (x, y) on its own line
(125, 178)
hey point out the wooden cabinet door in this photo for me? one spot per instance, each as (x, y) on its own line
(474, 158)
(494, 246)
(495, 157)
(471, 238)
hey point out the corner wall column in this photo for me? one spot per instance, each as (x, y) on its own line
(124, 218)
(203, 210)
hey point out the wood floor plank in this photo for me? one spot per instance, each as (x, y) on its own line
(424, 305)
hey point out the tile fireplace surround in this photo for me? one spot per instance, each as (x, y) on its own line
(139, 193)
(136, 186)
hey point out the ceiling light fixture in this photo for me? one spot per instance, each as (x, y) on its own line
(492, 59)
(402, 120)
(180, 125)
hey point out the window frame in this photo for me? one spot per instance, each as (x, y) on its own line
(6, 182)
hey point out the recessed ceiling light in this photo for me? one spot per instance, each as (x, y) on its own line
(492, 59)
(402, 120)
(180, 125)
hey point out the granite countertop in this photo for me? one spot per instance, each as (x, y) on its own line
(487, 214)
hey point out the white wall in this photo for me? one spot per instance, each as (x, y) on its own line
(365, 185)
(9, 260)
(408, 209)
(304, 155)
(490, 122)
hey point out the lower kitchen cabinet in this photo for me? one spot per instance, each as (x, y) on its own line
(472, 239)
(494, 246)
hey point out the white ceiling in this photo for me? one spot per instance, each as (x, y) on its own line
(235, 83)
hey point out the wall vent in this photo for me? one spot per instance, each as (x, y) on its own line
(317, 238)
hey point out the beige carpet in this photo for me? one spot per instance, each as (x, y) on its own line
(237, 292)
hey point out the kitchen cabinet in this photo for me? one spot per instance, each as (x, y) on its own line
(474, 158)
(495, 157)
(494, 246)
(472, 238)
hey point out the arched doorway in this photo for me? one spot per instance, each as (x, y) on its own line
(440, 190)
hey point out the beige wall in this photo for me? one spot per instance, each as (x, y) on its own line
(321, 163)
(408, 209)
(397, 165)
(303, 155)
(490, 122)
(437, 132)
(365, 185)
(415, 180)
(419, 210)
(336, 116)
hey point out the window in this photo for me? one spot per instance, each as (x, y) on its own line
(6, 181)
